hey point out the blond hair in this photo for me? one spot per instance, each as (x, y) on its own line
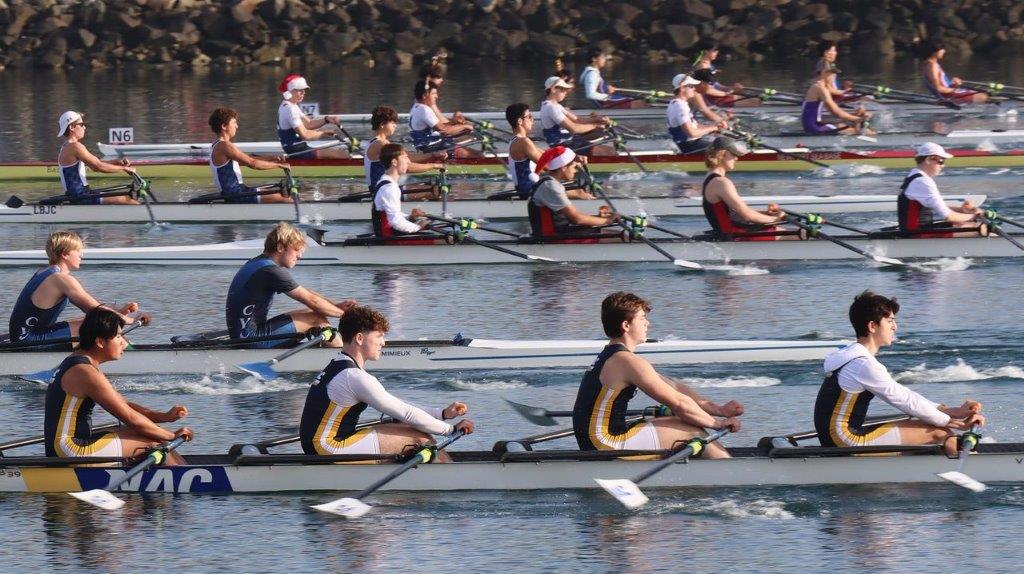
(714, 158)
(61, 243)
(283, 234)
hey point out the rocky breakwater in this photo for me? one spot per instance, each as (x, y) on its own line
(99, 33)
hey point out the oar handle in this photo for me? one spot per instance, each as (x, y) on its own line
(424, 454)
(326, 334)
(155, 456)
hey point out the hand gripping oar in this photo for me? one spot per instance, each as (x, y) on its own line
(993, 220)
(755, 141)
(1007, 220)
(683, 263)
(545, 418)
(814, 230)
(995, 89)
(628, 493)
(142, 187)
(353, 143)
(968, 442)
(264, 370)
(354, 507)
(620, 145)
(45, 377)
(103, 499)
(460, 233)
(290, 186)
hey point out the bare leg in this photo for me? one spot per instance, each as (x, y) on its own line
(118, 200)
(338, 152)
(134, 444)
(304, 320)
(274, 198)
(671, 430)
(917, 432)
(398, 438)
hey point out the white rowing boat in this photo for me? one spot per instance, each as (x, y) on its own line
(531, 470)
(458, 354)
(318, 211)
(953, 139)
(340, 253)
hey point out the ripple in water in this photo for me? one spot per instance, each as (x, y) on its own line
(758, 508)
(485, 384)
(214, 385)
(961, 371)
(731, 382)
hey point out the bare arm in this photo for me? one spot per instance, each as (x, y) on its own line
(93, 384)
(702, 106)
(232, 152)
(576, 217)
(726, 192)
(643, 375)
(834, 108)
(82, 153)
(316, 302)
(730, 409)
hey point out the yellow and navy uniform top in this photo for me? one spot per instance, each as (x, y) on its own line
(599, 415)
(837, 411)
(67, 422)
(322, 418)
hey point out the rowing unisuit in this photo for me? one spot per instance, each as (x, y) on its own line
(228, 178)
(522, 172)
(251, 292)
(599, 414)
(67, 423)
(75, 182)
(30, 323)
(725, 224)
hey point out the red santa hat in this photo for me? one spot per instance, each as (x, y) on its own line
(554, 158)
(292, 82)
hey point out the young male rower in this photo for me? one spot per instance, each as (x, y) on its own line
(599, 415)
(73, 159)
(343, 390)
(431, 133)
(564, 128)
(47, 293)
(920, 205)
(688, 135)
(386, 210)
(699, 104)
(601, 93)
(523, 154)
(225, 158)
(254, 286)
(944, 87)
(80, 385)
(550, 209)
(295, 128)
(730, 217)
(384, 122)
(819, 97)
(854, 377)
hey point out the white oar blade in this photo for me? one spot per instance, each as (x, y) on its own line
(625, 491)
(868, 138)
(99, 498)
(887, 260)
(348, 507)
(688, 264)
(960, 479)
(540, 258)
(40, 377)
(261, 371)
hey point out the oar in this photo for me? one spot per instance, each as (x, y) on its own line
(968, 442)
(620, 146)
(815, 218)
(354, 507)
(816, 232)
(993, 89)
(994, 85)
(993, 225)
(143, 190)
(102, 498)
(649, 93)
(353, 143)
(291, 186)
(45, 377)
(628, 493)
(486, 125)
(460, 234)
(468, 223)
(898, 95)
(755, 141)
(18, 443)
(1008, 220)
(14, 202)
(683, 263)
(264, 370)
(546, 418)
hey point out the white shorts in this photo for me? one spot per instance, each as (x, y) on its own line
(108, 444)
(641, 437)
(887, 434)
(363, 441)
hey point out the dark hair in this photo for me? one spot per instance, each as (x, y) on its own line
(868, 307)
(432, 69)
(618, 307)
(99, 323)
(567, 75)
(593, 53)
(422, 88)
(390, 153)
(382, 115)
(514, 112)
(934, 46)
(220, 118)
(361, 320)
(826, 45)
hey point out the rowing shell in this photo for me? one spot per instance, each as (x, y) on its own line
(337, 253)
(956, 138)
(532, 470)
(317, 211)
(654, 160)
(434, 355)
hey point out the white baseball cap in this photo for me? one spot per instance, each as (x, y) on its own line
(556, 82)
(930, 148)
(66, 119)
(684, 80)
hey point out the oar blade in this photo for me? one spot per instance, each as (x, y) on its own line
(540, 258)
(99, 498)
(350, 508)
(690, 265)
(40, 377)
(261, 370)
(960, 479)
(14, 202)
(625, 491)
(888, 260)
(535, 415)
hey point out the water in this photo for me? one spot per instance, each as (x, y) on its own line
(960, 336)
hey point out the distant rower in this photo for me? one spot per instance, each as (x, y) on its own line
(432, 133)
(829, 52)
(73, 159)
(295, 128)
(601, 93)
(920, 205)
(384, 122)
(550, 209)
(819, 98)
(688, 135)
(564, 128)
(715, 93)
(599, 415)
(523, 154)
(343, 390)
(226, 158)
(386, 209)
(938, 83)
(854, 377)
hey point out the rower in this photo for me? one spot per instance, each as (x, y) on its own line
(599, 92)
(599, 415)
(819, 96)
(79, 385)
(254, 286)
(225, 158)
(828, 51)
(386, 210)
(434, 72)
(854, 377)
(920, 205)
(343, 390)
(698, 103)
(688, 135)
(550, 209)
(73, 159)
(714, 92)
(564, 128)
(384, 122)
(523, 154)
(730, 217)
(47, 293)
(431, 132)
(944, 87)
(295, 128)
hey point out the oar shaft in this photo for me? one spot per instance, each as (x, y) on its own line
(684, 453)
(827, 222)
(416, 460)
(155, 456)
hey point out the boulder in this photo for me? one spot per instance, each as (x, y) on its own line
(335, 45)
(242, 11)
(682, 36)
(552, 44)
(441, 32)
(818, 11)
(270, 53)
(698, 9)
(85, 38)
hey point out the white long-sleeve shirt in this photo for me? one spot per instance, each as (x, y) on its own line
(389, 200)
(591, 80)
(925, 191)
(863, 372)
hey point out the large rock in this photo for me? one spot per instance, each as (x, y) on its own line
(271, 53)
(242, 12)
(552, 44)
(335, 45)
(682, 36)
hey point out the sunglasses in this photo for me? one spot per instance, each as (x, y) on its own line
(78, 124)
(939, 160)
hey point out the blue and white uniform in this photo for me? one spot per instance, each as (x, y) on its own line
(289, 118)
(678, 114)
(373, 168)
(552, 114)
(30, 323)
(522, 172)
(422, 120)
(596, 89)
(249, 297)
(228, 179)
(75, 184)
(67, 421)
